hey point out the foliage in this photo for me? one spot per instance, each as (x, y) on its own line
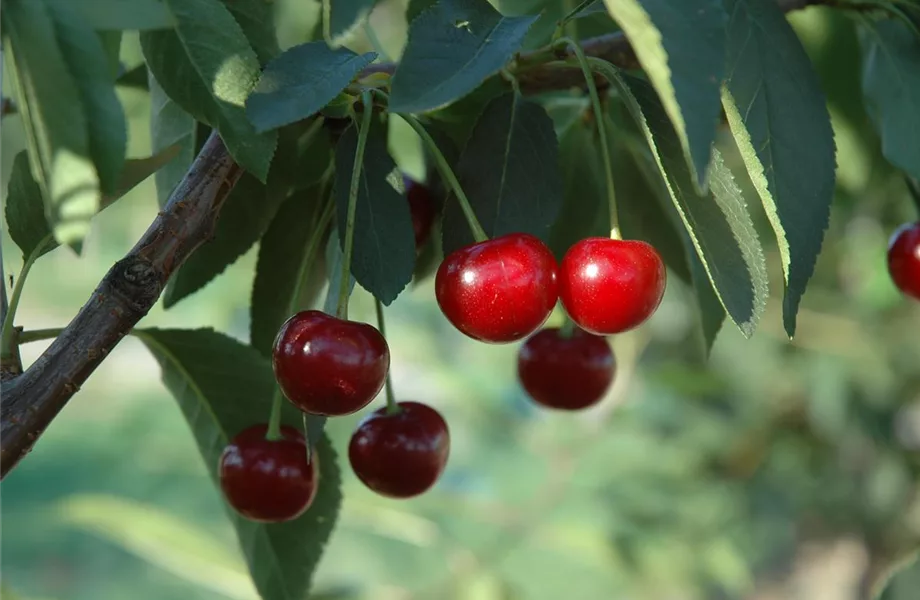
(729, 129)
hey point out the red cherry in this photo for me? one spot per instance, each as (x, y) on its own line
(329, 366)
(500, 290)
(610, 286)
(904, 259)
(400, 455)
(268, 480)
(569, 373)
(422, 207)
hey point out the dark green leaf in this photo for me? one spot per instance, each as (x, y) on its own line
(584, 208)
(207, 67)
(451, 49)
(244, 217)
(55, 121)
(25, 213)
(712, 313)
(334, 260)
(223, 387)
(341, 16)
(170, 126)
(784, 135)
(300, 82)
(111, 45)
(510, 173)
(681, 46)
(257, 18)
(383, 257)
(289, 271)
(122, 14)
(88, 64)
(719, 224)
(417, 7)
(304, 158)
(891, 86)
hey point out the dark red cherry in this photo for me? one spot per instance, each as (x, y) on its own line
(268, 480)
(904, 259)
(400, 455)
(500, 290)
(329, 366)
(610, 286)
(569, 373)
(422, 208)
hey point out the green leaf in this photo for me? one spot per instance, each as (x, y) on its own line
(170, 126)
(712, 313)
(111, 45)
(300, 82)
(383, 256)
(122, 14)
(223, 387)
(55, 120)
(718, 223)
(257, 19)
(451, 49)
(341, 16)
(244, 218)
(681, 47)
(583, 212)
(25, 213)
(417, 7)
(136, 78)
(88, 64)
(509, 170)
(891, 86)
(285, 282)
(207, 67)
(778, 116)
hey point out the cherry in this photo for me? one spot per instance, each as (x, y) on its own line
(569, 373)
(400, 454)
(422, 208)
(268, 480)
(329, 366)
(904, 259)
(500, 290)
(610, 286)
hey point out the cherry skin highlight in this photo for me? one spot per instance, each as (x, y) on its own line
(567, 373)
(610, 286)
(329, 366)
(422, 209)
(400, 455)
(904, 259)
(269, 481)
(500, 290)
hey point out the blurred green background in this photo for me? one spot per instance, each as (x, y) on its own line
(778, 470)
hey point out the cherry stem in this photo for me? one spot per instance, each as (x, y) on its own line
(568, 327)
(600, 119)
(560, 25)
(447, 174)
(274, 420)
(392, 406)
(363, 130)
(8, 338)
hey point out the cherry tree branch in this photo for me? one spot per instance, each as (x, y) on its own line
(133, 285)
(127, 292)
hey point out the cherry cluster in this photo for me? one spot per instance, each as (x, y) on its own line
(496, 291)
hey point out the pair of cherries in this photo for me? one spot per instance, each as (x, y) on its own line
(334, 367)
(504, 289)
